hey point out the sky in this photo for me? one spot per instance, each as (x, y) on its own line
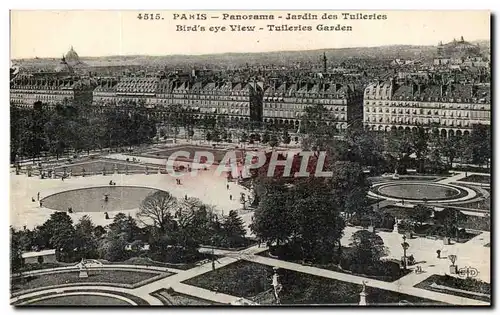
(103, 33)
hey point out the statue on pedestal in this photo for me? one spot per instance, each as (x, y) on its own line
(396, 228)
(276, 285)
(83, 272)
(362, 295)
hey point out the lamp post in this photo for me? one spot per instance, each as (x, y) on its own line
(405, 246)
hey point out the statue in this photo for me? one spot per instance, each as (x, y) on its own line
(362, 295)
(83, 273)
(276, 285)
(395, 228)
(106, 198)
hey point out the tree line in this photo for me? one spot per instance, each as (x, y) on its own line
(174, 230)
(53, 131)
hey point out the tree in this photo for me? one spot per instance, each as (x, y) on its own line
(286, 139)
(273, 141)
(368, 248)
(349, 187)
(480, 140)
(451, 220)
(420, 143)
(85, 240)
(420, 213)
(157, 208)
(450, 148)
(233, 230)
(292, 214)
(16, 260)
(58, 233)
(265, 137)
(270, 221)
(112, 247)
(125, 224)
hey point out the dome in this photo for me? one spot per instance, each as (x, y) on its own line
(72, 56)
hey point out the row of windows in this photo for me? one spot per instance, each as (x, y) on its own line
(429, 105)
(415, 121)
(55, 92)
(425, 99)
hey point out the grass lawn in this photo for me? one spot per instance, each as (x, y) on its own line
(83, 300)
(165, 153)
(484, 204)
(382, 275)
(104, 276)
(472, 222)
(248, 279)
(481, 179)
(457, 283)
(96, 167)
(178, 299)
(145, 261)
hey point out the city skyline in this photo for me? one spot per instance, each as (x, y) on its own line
(120, 33)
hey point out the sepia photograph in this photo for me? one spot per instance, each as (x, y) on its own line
(250, 158)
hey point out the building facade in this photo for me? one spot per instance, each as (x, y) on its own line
(450, 107)
(284, 104)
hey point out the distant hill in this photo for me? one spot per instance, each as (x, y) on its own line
(279, 57)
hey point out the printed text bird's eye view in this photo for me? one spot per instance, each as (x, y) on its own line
(250, 158)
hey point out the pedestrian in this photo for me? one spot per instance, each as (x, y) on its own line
(40, 203)
(227, 186)
(38, 196)
(185, 197)
(32, 199)
(213, 264)
(230, 197)
(438, 252)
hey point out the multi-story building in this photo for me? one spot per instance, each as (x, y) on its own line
(61, 86)
(105, 92)
(450, 107)
(284, 104)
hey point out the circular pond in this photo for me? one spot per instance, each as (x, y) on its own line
(419, 191)
(98, 199)
(80, 300)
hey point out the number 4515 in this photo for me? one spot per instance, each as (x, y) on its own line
(149, 16)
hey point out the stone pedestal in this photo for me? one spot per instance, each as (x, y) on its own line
(453, 269)
(362, 298)
(83, 274)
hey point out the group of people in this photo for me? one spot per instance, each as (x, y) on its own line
(112, 183)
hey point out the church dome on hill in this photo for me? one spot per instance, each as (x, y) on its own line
(458, 49)
(71, 56)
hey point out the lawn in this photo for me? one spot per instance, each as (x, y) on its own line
(248, 279)
(483, 204)
(480, 179)
(472, 222)
(170, 297)
(96, 167)
(457, 283)
(144, 261)
(165, 153)
(103, 276)
(385, 271)
(82, 300)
